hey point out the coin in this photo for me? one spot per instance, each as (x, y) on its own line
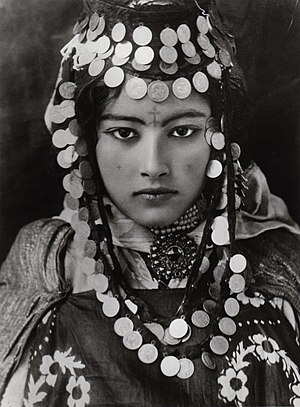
(58, 139)
(238, 263)
(208, 134)
(225, 58)
(148, 353)
(67, 90)
(203, 41)
(231, 307)
(100, 282)
(156, 329)
(136, 88)
(89, 186)
(85, 169)
(168, 54)
(169, 69)
(215, 291)
(142, 35)
(88, 266)
(91, 35)
(209, 306)
(132, 340)
(56, 115)
(76, 189)
(144, 55)
(122, 326)
(170, 366)
(83, 214)
(220, 223)
(107, 54)
(202, 25)
(131, 306)
(94, 21)
(110, 307)
(209, 52)
(66, 182)
(208, 360)
(220, 237)
(70, 139)
(238, 201)
(81, 147)
(218, 273)
(99, 266)
(223, 202)
(71, 202)
(235, 151)
(214, 169)
(227, 326)
(74, 127)
(114, 77)
(117, 61)
(200, 82)
(189, 49)
(67, 108)
(168, 37)
(204, 265)
(195, 60)
(218, 140)
(101, 297)
(102, 45)
(158, 91)
(200, 319)
(123, 49)
(101, 26)
(219, 345)
(237, 283)
(178, 328)
(140, 67)
(187, 335)
(169, 339)
(90, 248)
(186, 369)
(61, 160)
(80, 25)
(214, 70)
(82, 35)
(183, 33)
(118, 32)
(96, 66)
(70, 155)
(181, 88)
(83, 229)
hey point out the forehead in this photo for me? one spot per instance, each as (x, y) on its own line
(125, 105)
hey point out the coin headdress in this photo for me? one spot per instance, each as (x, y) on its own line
(154, 48)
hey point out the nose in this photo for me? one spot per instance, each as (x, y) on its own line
(153, 158)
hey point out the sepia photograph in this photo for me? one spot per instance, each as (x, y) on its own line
(149, 203)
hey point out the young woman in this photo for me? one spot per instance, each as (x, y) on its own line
(171, 276)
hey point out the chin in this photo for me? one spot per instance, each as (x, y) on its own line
(155, 217)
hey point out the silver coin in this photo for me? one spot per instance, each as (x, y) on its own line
(225, 58)
(170, 366)
(227, 326)
(187, 335)
(101, 25)
(218, 140)
(235, 151)
(59, 139)
(81, 147)
(90, 248)
(200, 319)
(186, 369)
(67, 108)
(169, 37)
(94, 21)
(66, 182)
(102, 45)
(140, 67)
(231, 307)
(117, 61)
(122, 326)
(169, 69)
(200, 82)
(238, 201)
(219, 345)
(132, 340)
(168, 55)
(80, 25)
(123, 49)
(238, 263)
(208, 360)
(220, 237)
(156, 329)
(69, 137)
(202, 25)
(131, 306)
(178, 328)
(209, 306)
(96, 66)
(74, 127)
(114, 77)
(83, 229)
(91, 35)
(110, 307)
(218, 273)
(148, 353)
(182, 88)
(210, 52)
(142, 35)
(71, 202)
(76, 189)
(169, 339)
(214, 70)
(189, 49)
(220, 223)
(56, 115)
(223, 202)
(67, 90)
(85, 169)
(88, 266)
(215, 291)
(214, 169)
(107, 54)
(144, 55)
(100, 282)
(102, 297)
(70, 154)
(195, 60)
(203, 41)
(208, 134)
(204, 265)
(237, 283)
(184, 33)
(158, 91)
(118, 32)
(136, 88)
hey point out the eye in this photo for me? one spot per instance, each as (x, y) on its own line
(122, 133)
(183, 131)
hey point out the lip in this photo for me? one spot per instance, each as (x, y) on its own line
(156, 195)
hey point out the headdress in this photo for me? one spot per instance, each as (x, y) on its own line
(165, 46)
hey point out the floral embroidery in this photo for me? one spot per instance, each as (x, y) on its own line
(34, 395)
(256, 300)
(233, 385)
(266, 349)
(78, 390)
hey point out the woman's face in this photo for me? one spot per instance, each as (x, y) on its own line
(153, 156)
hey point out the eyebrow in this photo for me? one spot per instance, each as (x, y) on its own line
(178, 116)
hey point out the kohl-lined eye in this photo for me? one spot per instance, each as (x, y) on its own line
(122, 133)
(183, 131)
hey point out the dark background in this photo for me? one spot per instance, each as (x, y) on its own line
(33, 31)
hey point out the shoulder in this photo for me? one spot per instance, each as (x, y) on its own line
(36, 252)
